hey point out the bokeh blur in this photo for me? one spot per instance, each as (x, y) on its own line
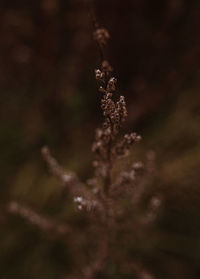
(49, 97)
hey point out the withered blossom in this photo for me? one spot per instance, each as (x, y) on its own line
(101, 35)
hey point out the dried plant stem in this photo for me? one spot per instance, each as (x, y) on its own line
(102, 196)
(68, 179)
(99, 259)
(44, 223)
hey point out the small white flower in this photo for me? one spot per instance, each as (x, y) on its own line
(78, 199)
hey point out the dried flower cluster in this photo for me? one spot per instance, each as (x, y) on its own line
(100, 196)
(106, 147)
(101, 35)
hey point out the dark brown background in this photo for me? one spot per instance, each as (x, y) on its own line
(49, 96)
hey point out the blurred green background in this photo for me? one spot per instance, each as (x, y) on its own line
(49, 96)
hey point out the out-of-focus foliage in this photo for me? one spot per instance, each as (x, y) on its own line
(48, 96)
